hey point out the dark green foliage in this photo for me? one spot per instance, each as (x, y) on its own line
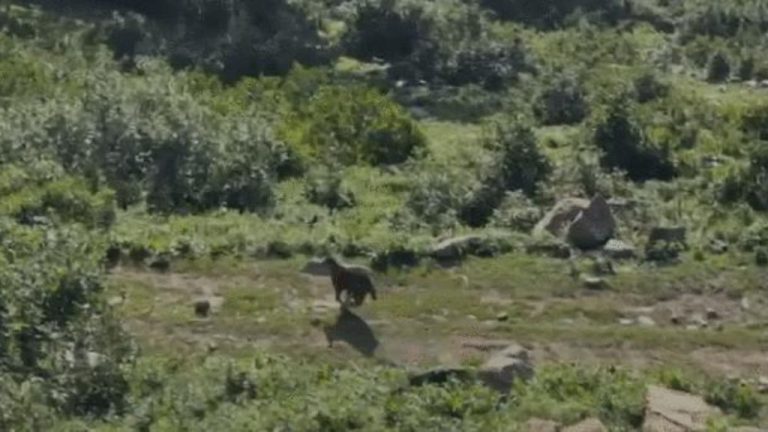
(719, 68)
(352, 125)
(519, 165)
(564, 102)
(755, 179)
(735, 397)
(53, 325)
(553, 13)
(649, 87)
(40, 193)
(625, 147)
(324, 187)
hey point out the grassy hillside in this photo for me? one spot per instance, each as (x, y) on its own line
(156, 153)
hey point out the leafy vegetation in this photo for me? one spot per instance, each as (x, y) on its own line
(204, 137)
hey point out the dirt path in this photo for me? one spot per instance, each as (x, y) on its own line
(298, 316)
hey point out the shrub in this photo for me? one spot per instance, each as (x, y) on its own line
(648, 87)
(624, 146)
(719, 68)
(353, 125)
(325, 188)
(553, 13)
(436, 196)
(519, 165)
(54, 327)
(564, 102)
(31, 195)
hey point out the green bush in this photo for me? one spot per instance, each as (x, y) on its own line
(53, 325)
(518, 165)
(625, 146)
(564, 102)
(719, 68)
(325, 187)
(29, 195)
(354, 125)
(554, 13)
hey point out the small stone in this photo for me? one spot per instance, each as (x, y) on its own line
(691, 327)
(646, 321)
(762, 385)
(503, 316)
(626, 321)
(619, 250)
(261, 320)
(471, 317)
(595, 283)
(745, 304)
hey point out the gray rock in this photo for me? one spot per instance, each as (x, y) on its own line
(672, 411)
(539, 425)
(593, 227)
(563, 214)
(717, 247)
(595, 283)
(588, 425)
(626, 321)
(456, 248)
(745, 304)
(506, 366)
(619, 250)
(646, 321)
(503, 316)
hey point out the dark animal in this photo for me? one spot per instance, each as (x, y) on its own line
(354, 281)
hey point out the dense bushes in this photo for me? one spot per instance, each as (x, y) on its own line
(152, 141)
(564, 102)
(54, 327)
(353, 125)
(552, 13)
(518, 165)
(625, 146)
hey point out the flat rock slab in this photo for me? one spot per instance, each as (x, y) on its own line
(673, 411)
(588, 425)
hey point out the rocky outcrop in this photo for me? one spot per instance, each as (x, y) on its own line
(593, 227)
(557, 220)
(452, 250)
(672, 411)
(505, 367)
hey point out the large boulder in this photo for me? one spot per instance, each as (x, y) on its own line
(557, 220)
(506, 366)
(593, 227)
(673, 411)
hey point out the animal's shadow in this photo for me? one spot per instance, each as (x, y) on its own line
(353, 330)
